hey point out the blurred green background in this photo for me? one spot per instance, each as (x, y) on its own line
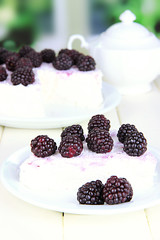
(49, 23)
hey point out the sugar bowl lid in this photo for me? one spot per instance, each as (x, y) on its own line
(128, 34)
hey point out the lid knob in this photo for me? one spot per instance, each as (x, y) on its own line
(127, 17)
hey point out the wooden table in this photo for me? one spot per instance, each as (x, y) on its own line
(22, 221)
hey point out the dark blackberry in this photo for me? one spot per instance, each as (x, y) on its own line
(25, 50)
(11, 62)
(63, 62)
(24, 62)
(43, 146)
(71, 53)
(70, 146)
(117, 190)
(91, 193)
(135, 144)
(99, 141)
(23, 75)
(85, 63)
(4, 56)
(3, 74)
(99, 121)
(48, 55)
(73, 130)
(125, 130)
(35, 58)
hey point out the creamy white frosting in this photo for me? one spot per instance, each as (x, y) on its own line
(56, 172)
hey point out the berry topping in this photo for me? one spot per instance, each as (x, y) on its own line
(91, 193)
(63, 62)
(70, 146)
(117, 190)
(71, 53)
(25, 50)
(35, 58)
(4, 56)
(125, 130)
(43, 146)
(99, 141)
(73, 130)
(99, 121)
(85, 63)
(24, 62)
(135, 144)
(48, 55)
(3, 74)
(11, 62)
(23, 75)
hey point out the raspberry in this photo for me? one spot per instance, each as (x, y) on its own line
(23, 75)
(63, 62)
(99, 141)
(73, 130)
(70, 146)
(99, 121)
(11, 62)
(91, 193)
(3, 74)
(48, 55)
(43, 146)
(25, 50)
(24, 62)
(117, 190)
(135, 144)
(35, 58)
(85, 63)
(71, 53)
(125, 130)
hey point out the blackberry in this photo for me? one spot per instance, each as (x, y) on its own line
(71, 53)
(23, 62)
(3, 74)
(43, 146)
(11, 62)
(125, 130)
(73, 130)
(63, 62)
(25, 49)
(99, 121)
(23, 75)
(70, 146)
(35, 58)
(91, 193)
(48, 55)
(85, 63)
(4, 56)
(117, 190)
(99, 141)
(135, 144)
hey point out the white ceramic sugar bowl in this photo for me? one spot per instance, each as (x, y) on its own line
(127, 53)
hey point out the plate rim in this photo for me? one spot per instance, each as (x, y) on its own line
(78, 208)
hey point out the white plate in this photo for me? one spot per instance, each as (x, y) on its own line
(111, 99)
(67, 203)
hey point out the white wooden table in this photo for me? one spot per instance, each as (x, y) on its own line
(22, 221)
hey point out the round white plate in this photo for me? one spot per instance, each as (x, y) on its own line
(67, 202)
(111, 99)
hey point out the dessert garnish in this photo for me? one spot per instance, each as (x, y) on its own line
(35, 58)
(125, 130)
(75, 129)
(48, 55)
(63, 62)
(99, 121)
(24, 50)
(24, 62)
(99, 141)
(3, 74)
(85, 63)
(70, 146)
(23, 75)
(43, 146)
(11, 62)
(91, 193)
(117, 190)
(74, 54)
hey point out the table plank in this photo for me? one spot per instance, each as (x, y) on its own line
(20, 220)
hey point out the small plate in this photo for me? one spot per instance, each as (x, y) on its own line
(111, 99)
(67, 202)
